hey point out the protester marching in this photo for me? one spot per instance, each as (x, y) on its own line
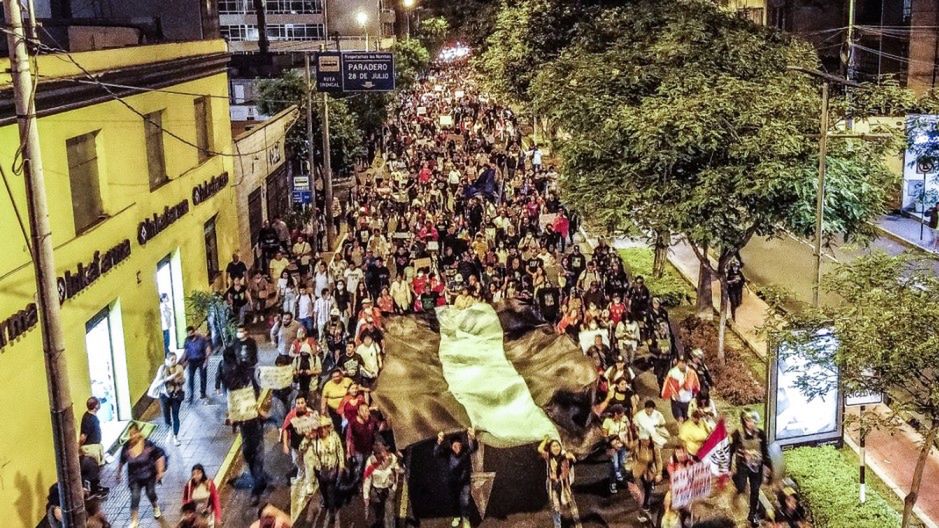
(459, 212)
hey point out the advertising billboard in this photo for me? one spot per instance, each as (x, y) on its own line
(794, 416)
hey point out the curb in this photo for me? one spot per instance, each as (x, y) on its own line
(879, 471)
(886, 233)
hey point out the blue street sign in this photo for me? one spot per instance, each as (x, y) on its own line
(302, 197)
(328, 71)
(364, 71)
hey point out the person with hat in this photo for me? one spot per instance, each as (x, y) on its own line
(701, 369)
(323, 453)
(750, 455)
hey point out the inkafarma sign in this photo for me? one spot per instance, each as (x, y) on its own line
(74, 281)
(18, 324)
(210, 188)
(151, 227)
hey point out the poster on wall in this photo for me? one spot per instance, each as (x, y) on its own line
(797, 418)
(920, 189)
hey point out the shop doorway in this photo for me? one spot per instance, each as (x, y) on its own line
(171, 302)
(107, 367)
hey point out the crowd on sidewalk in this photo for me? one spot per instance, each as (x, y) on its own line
(463, 211)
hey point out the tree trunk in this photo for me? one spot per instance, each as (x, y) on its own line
(661, 252)
(911, 497)
(704, 309)
(722, 328)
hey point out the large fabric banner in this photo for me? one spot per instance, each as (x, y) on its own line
(500, 369)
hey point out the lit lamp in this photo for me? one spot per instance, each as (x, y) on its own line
(361, 18)
(408, 6)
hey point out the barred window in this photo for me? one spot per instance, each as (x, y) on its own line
(294, 7)
(235, 7)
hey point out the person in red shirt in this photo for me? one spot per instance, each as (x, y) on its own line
(201, 490)
(617, 308)
(428, 232)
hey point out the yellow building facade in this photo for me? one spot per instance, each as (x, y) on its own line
(142, 210)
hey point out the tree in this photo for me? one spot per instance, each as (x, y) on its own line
(433, 33)
(689, 122)
(346, 138)
(887, 342)
(411, 59)
(470, 21)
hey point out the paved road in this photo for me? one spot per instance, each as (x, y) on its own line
(788, 262)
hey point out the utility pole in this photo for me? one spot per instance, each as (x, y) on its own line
(328, 177)
(820, 194)
(64, 438)
(847, 55)
(311, 161)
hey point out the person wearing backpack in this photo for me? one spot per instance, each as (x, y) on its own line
(146, 465)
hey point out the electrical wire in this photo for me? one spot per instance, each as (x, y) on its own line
(16, 211)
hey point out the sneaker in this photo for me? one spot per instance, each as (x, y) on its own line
(133, 523)
(455, 523)
(157, 513)
(613, 490)
(176, 441)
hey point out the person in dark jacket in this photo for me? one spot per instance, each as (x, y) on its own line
(457, 454)
(750, 455)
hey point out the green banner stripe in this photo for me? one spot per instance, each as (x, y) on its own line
(484, 381)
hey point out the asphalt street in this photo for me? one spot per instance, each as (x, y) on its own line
(788, 262)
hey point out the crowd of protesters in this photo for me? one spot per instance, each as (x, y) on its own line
(463, 210)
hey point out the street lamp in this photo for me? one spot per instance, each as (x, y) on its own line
(361, 19)
(408, 6)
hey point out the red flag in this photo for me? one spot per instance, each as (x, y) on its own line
(716, 450)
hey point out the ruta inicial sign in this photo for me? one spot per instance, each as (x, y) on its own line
(73, 282)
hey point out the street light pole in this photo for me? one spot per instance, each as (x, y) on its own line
(311, 161)
(64, 439)
(820, 194)
(327, 174)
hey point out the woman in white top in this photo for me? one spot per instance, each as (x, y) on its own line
(321, 279)
(287, 293)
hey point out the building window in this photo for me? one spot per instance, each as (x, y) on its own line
(211, 249)
(156, 162)
(235, 7)
(240, 32)
(87, 206)
(753, 14)
(295, 31)
(294, 7)
(203, 111)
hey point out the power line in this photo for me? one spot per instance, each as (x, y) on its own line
(66, 56)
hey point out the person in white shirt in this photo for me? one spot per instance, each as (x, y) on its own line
(321, 309)
(380, 480)
(371, 354)
(650, 424)
(353, 276)
(305, 310)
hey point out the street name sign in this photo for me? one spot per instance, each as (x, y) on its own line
(368, 71)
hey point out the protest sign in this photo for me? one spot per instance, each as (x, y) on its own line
(421, 110)
(546, 219)
(275, 377)
(446, 121)
(242, 404)
(304, 424)
(690, 483)
(422, 263)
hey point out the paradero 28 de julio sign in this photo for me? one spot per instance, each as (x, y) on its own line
(355, 71)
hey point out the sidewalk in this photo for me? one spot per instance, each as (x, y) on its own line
(205, 440)
(906, 230)
(892, 458)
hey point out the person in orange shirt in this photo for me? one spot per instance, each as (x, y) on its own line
(680, 387)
